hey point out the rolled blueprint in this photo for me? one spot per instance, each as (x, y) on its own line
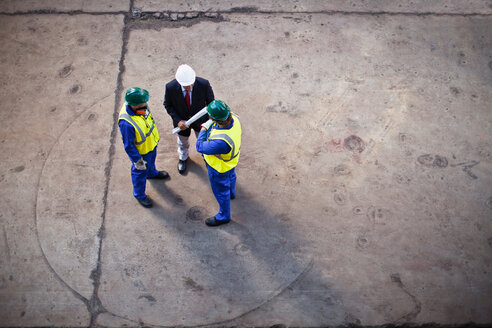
(195, 117)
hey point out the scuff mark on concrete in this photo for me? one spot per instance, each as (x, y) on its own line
(148, 297)
(244, 9)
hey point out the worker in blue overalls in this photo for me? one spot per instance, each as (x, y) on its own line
(140, 139)
(220, 142)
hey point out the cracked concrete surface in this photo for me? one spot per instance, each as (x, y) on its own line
(364, 184)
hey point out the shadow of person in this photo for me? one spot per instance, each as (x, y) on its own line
(239, 266)
(218, 275)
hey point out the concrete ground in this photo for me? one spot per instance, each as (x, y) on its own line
(364, 183)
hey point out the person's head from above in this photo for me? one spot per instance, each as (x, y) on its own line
(219, 112)
(136, 99)
(185, 75)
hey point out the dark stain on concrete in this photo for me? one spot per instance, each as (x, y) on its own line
(192, 285)
(455, 91)
(362, 242)
(91, 117)
(18, 169)
(76, 88)
(375, 215)
(357, 210)
(440, 161)
(404, 137)
(339, 198)
(178, 200)
(433, 161)
(462, 59)
(82, 41)
(196, 213)
(467, 170)
(354, 144)
(402, 179)
(139, 284)
(426, 160)
(395, 277)
(341, 170)
(65, 71)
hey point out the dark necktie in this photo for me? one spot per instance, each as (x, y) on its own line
(187, 98)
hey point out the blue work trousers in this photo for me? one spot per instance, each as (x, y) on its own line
(139, 177)
(223, 187)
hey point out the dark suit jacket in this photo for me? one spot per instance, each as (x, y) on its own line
(175, 103)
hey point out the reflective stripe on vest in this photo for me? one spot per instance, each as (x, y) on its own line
(225, 162)
(231, 143)
(143, 136)
(144, 142)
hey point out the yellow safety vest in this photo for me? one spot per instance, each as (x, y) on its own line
(226, 162)
(146, 134)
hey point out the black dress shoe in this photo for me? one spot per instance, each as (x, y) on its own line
(160, 175)
(213, 222)
(145, 202)
(181, 166)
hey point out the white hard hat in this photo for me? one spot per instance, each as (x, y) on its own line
(185, 75)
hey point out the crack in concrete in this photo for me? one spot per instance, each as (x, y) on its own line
(56, 12)
(149, 20)
(137, 14)
(95, 305)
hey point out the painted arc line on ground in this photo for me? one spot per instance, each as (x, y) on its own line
(68, 220)
(66, 225)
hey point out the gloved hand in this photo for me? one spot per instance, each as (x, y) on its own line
(207, 124)
(140, 165)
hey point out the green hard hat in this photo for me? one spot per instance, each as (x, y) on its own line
(136, 96)
(218, 110)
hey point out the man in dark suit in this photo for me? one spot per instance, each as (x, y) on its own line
(185, 96)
